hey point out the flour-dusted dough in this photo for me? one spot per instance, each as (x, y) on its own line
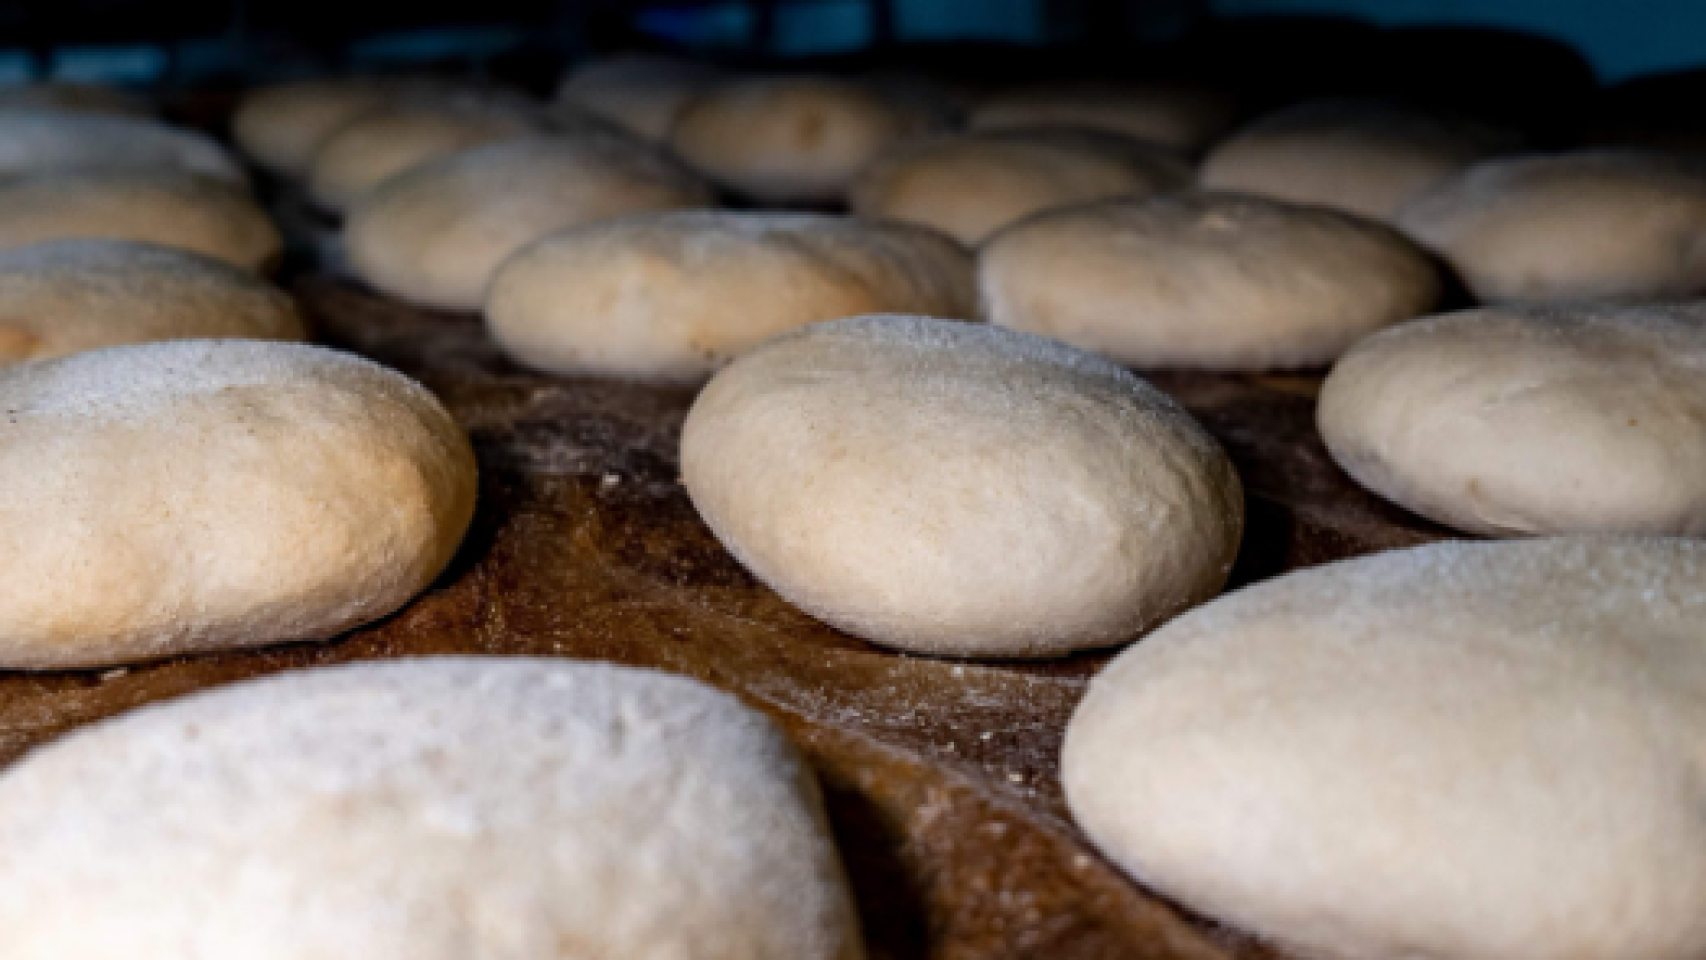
(436, 234)
(1512, 421)
(1588, 225)
(206, 216)
(954, 488)
(1464, 750)
(643, 93)
(792, 140)
(434, 809)
(209, 494)
(1176, 115)
(970, 185)
(67, 296)
(281, 126)
(36, 141)
(1204, 280)
(1363, 157)
(675, 296)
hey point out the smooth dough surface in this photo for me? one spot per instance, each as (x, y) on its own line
(960, 489)
(281, 126)
(1363, 157)
(642, 93)
(1555, 419)
(210, 494)
(675, 296)
(970, 185)
(1204, 280)
(432, 809)
(36, 141)
(194, 213)
(1481, 751)
(792, 140)
(436, 234)
(1589, 225)
(67, 296)
(1175, 115)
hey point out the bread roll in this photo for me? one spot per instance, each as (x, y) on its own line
(1204, 280)
(643, 93)
(1591, 225)
(1466, 750)
(791, 140)
(1363, 157)
(204, 216)
(1559, 419)
(211, 494)
(67, 296)
(434, 809)
(281, 126)
(675, 296)
(49, 141)
(436, 234)
(958, 489)
(970, 185)
(1184, 117)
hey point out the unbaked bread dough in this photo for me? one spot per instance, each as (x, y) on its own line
(209, 494)
(792, 140)
(194, 213)
(970, 185)
(1588, 225)
(281, 126)
(1522, 420)
(1466, 750)
(67, 296)
(675, 296)
(954, 488)
(1181, 116)
(436, 234)
(1363, 157)
(52, 141)
(643, 93)
(434, 809)
(1222, 281)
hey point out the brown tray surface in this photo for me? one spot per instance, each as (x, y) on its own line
(940, 775)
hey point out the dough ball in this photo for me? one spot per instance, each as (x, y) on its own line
(1204, 280)
(971, 185)
(640, 92)
(436, 234)
(70, 96)
(953, 488)
(791, 140)
(193, 213)
(675, 296)
(432, 809)
(67, 296)
(210, 494)
(1590, 225)
(408, 133)
(1363, 157)
(1175, 115)
(1521, 420)
(50, 141)
(1467, 750)
(281, 126)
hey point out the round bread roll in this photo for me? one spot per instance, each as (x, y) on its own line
(50, 141)
(1175, 115)
(408, 133)
(642, 93)
(435, 809)
(67, 296)
(971, 185)
(1204, 280)
(281, 126)
(69, 96)
(1363, 157)
(791, 140)
(436, 234)
(675, 296)
(953, 488)
(1591, 225)
(1467, 750)
(192, 213)
(211, 494)
(1563, 419)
